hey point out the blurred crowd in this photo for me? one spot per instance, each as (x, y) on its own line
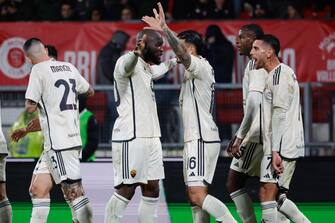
(133, 10)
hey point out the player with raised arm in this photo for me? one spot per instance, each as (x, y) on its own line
(136, 147)
(52, 89)
(202, 142)
(283, 136)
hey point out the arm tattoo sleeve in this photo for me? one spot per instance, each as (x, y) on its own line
(178, 47)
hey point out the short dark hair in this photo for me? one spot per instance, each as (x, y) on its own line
(30, 42)
(193, 37)
(254, 29)
(52, 52)
(272, 41)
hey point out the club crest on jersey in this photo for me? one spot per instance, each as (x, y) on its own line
(133, 173)
(14, 64)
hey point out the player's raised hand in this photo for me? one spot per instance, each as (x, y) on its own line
(157, 22)
(277, 163)
(18, 134)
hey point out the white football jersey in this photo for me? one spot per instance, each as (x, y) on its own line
(282, 90)
(254, 80)
(135, 102)
(3, 144)
(54, 85)
(197, 102)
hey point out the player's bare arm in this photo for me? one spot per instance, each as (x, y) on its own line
(32, 126)
(30, 105)
(90, 91)
(72, 190)
(178, 46)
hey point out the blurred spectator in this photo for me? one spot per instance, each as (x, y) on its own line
(328, 12)
(9, 11)
(260, 12)
(220, 54)
(83, 8)
(127, 14)
(89, 130)
(46, 10)
(222, 9)
(247, 11)
(67, 12)
(95, 15)
(105, 68)
(113, 9)
(201, 10)
(292, 12)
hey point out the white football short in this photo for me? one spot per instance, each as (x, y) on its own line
(63, 165)
(199, 161)
(268, 175)
(41, 165)
(250, 161)
(137, 161)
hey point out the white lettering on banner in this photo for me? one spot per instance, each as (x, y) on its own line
(84, 61)
(331, 64)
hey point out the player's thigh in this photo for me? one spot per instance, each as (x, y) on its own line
(155, 167)
(41, 165)
(64, 165)
(250, 161)
(199, 161)
(286, 177)
(41, 185)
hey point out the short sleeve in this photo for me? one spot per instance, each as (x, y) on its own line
(34, 89)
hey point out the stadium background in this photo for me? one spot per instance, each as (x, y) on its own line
(308, 45)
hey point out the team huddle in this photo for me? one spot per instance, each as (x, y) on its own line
(266, 145)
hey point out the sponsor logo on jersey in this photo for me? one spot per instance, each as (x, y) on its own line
(13, 63)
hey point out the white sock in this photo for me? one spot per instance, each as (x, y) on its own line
(146, 209)
(292, 212)
(5, 211)
(199, 215)
(40, 212)
(114, 208)
(244, 206)
(82, 209)
(269, 211)
(281, 218)
(217, 209)
(74, 218)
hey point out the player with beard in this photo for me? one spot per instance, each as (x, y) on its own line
(201, 137)
(283, 135)
(136, 147)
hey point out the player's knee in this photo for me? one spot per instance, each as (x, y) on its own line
(126, 191)
(267, 192)
(196, 197)
(151, 189)
(38, 191)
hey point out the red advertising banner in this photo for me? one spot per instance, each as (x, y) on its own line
(307, 46)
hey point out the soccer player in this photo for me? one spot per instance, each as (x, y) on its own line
(249, 153)
(202, 142)
(5, 206)
(41, 181)
(283, 138)
(136, 147)
(52, 89)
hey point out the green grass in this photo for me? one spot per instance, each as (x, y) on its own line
(179, 213)
(316, 212)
